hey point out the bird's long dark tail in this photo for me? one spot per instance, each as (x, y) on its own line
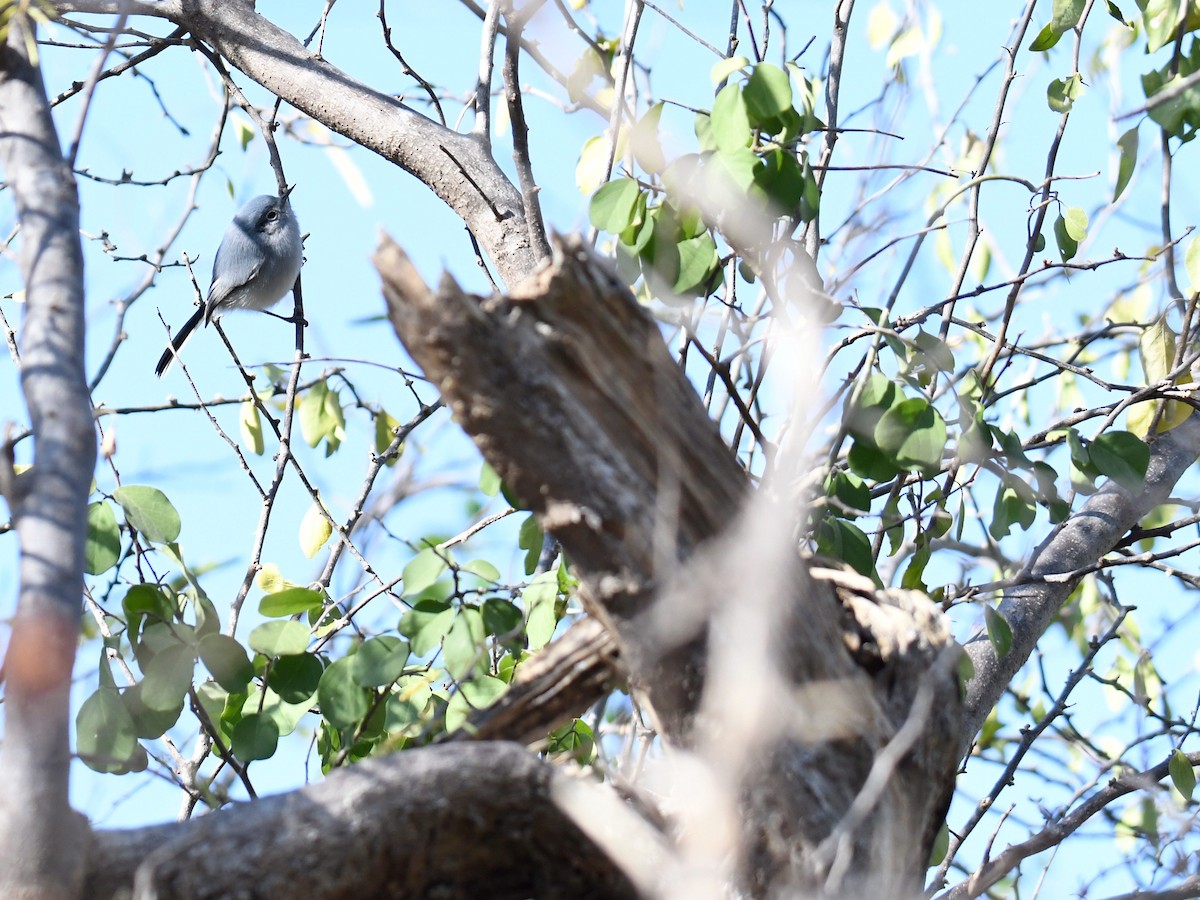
(177, 342)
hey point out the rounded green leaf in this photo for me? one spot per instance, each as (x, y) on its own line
(423, 570)
(168, 677)
(426, 624)
(540, 599)
(279, 638)
(255, 737)
(1076, 222)
(379, 661)
(768, 93)
(344, 702)
(698, 260)
(269, 703)
(314, 530)
(730, 122)
(102, 547)
(149, 511)
(500, 617)
(727, 67)
(105, 738)
(464, 650)
(483, 569)
(913, 434)
(1122, 456)
(613, 204)
(295, 678)
(406, 705)
(227, 661)
(147, 722)
(290, 602)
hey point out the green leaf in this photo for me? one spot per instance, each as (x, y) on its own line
(244, 130)
(168, 677)
(149, 723)
(314, 530)
(295, 678)
(286, 638)
(842, 540)
(1063, 92)
(379, 661)
(344, 703)
(1067, 245)
(613, 204)
(726, 67)
(250, 425)
(385, 432)
(730, 119)
(768, 93)
(914, 434)
(998, 631)
(149, 511)
(489, 480)
(644, 141)
(405, 712)
(322, 418)
(1127, 150)
(478, 693)
(530, 539)
(1066, 14)
(540, 599)
(102, 545)
(1075, 220)
(1122, 456)
(290, 602)
(782, 180)
(426, 624)
(698, 260)
(255, 737)
(575, 738)
(104, 735)
(869, 462)
(423, 570)
(849, 490)
(1046, 38)
(464, 650)
(1183, 776)
(500, 617)
(1158, 343)
(1014, 504)
(227, 661)
(482, 569)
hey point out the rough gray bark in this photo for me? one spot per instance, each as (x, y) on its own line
(569, 391)
(1052, 572)
(42, 841)
(455, 822)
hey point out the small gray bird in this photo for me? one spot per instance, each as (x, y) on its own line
(256, 265)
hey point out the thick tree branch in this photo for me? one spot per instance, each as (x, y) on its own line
(570, 392)
(457, 822)
(456, 167)
(1048, 579)
(42, 842)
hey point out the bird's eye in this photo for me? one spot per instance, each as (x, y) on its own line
(273, 215)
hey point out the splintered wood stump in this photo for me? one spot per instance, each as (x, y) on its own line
(570, 393)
